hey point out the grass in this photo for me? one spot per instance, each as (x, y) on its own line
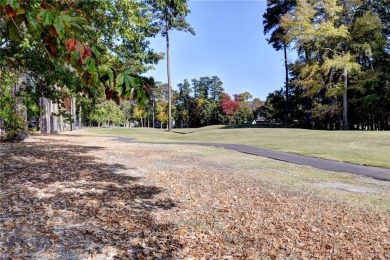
(370, 148)
(296, 179)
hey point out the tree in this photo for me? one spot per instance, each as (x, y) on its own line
(162, 112)
(323, 31)
(77, 38)
(271, 22)
(140, 114)
(170, 15)
(9, 120)
(257, 107)
(245, 112)
(216, 89)
(205, 110)
(160, 94)
(274, 106)
(183, 101)
(229, 108)
(107, 112)
(127, 108)
(208, 88)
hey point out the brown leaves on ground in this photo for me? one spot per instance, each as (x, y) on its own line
(89, 198)
(246, 220)
(58, 202)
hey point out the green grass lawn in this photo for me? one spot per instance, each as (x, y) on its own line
(359, 147)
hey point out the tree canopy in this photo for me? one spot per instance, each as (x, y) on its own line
(342, 49)
(77, 47)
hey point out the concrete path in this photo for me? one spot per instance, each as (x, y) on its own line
(329, 165)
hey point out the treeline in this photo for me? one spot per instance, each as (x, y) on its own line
(200, 102)
(341, 78)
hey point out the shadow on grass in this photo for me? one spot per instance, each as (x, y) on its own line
(58, 202)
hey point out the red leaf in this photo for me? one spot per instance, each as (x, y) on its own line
(53, 31)
(43, 4)
(228, 105)
(53, 49)
(10, 12)
(70, 44)
(80, 48)
(87, 51)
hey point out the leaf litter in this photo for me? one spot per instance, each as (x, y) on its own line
(89, 198)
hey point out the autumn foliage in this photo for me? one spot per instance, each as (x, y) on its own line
(229, 107)
(83, 50)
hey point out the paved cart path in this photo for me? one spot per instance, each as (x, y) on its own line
(330, 165)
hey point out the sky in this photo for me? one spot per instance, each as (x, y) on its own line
(229, 43)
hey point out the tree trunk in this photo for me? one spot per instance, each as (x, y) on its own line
(345, 99)
(80, 114)
(169, 82)
(18, 131)
(153, 113)
(45, 116)
(72, 114)
(61, 123)
(286, 117)
(309, 118)
(53, 117)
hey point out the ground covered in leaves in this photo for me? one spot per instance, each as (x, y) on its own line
(86, 197)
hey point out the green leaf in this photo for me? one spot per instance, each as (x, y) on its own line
(47, 17)
(14, 32)
(75, 57)
(33, 25)
(75, 25)
(131, 71)
(95, 51)
(119, 80)
(130, 93)
(78, 20)
(92, 67)
(60, 27)
(65, 18)
(20, 10)
(119, 90)
(129, 81)
(12, 3)
(67, 26)
(95, 78)
(103, 70)
(111, 76)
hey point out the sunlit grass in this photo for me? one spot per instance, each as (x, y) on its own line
(359, 147)
(371, 194)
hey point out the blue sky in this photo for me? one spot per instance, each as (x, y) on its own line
(229, 43)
